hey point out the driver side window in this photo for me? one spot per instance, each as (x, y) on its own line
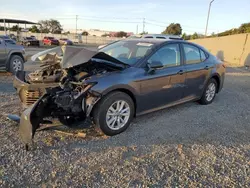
(168, 55)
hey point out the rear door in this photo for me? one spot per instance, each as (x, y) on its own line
(197, 70)
(3, 54)
(164, 85)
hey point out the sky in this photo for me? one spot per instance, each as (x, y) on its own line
(115, 15)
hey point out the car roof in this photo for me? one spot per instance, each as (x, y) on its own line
(152, 40)
(159, 42)
(147, 40)
(160, 35)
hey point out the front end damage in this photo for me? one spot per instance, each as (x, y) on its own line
(65, 87)
(68, 106)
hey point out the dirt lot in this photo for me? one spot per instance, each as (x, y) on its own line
(188, 145)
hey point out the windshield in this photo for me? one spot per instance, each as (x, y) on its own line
(129, 52)
(29, 38)
(50, 38)
(9, 41)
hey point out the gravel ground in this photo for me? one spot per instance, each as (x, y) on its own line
(185, 146)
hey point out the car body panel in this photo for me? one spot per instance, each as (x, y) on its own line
(158, 88)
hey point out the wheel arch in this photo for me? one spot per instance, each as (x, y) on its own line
(125, 90)
(217, 78)
(9, 58)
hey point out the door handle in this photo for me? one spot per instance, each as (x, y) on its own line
(181, 72)
(206, 67)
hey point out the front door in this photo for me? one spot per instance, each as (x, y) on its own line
(165, 85)
(197, 70)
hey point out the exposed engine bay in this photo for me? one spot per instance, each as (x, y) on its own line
(72, 100)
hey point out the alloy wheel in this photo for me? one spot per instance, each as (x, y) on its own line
(118, 115)
(210, 92)
(17, 65)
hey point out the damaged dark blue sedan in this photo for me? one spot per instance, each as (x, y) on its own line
(120, 81)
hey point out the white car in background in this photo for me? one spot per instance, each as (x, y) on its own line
(149, 36)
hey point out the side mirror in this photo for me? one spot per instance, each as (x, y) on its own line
(156, 65)
(153, 66)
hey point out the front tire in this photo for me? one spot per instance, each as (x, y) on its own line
(114, 113)
(16, 64)
(209, 92)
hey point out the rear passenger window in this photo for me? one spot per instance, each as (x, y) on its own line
(192, 54)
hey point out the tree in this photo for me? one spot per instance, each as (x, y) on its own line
(50, 26)
(173, 29)
(121, 34)
(34, 29)
(143, 33)
(66, 33)
(244, 28)
(1, 28)
(194, 36)
(106, 35)
(15, 28)
(85, 33)
(184, 36)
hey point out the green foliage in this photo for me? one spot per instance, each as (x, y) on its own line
(50, 26)
(66, 33)
(143, 33)
(106, 35)
(1, 28)
(173, 29)
(244, 28)
(15, 28)
(194, 36)
(34, 29)
(121, 34)
(85, 33)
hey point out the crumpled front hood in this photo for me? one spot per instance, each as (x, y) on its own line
(70, 56)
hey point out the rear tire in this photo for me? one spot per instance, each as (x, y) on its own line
(114, 113)
(16, 64)
(209, 92)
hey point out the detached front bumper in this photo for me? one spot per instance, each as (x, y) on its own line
(31, 118)
(29, 93)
